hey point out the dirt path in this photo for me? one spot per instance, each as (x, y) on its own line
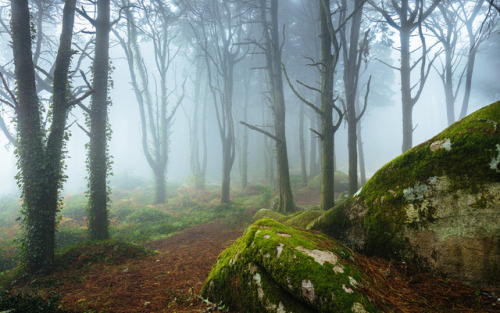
(160, 283)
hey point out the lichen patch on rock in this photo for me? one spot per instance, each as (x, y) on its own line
(441, 144)
(320, 256)
(495, 161)
(308, 290)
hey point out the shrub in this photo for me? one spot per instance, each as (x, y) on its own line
(29, 303)
(74, 207)
(149, 216)
(265, 196)
(67, 236)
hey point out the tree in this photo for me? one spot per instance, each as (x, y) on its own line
(40, 153)
(155, 117)
(218, 28)
(496, 6)
(448, 28)
(243, 143)
(354, 50)
(272, 53)
(197, 158)
(98, 163)
(406, 17)
(326, 66)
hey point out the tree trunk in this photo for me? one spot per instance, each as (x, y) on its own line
(406, 99)
(273, 65)
(227, 161)
(468, 76)
(98, 148)
(361, 158)
(351, 76)
(302, 147)
(40, 166)
(448, 87)
(313, 158)
(244, 141)
(160, 185)
(327, 129)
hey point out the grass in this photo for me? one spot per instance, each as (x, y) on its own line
(132, 216)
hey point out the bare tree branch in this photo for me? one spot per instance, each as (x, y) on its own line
(268, 134)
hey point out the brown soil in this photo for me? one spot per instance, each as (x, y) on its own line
(168, 281)
(306, 197)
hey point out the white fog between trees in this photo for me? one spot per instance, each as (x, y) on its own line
(183, 33)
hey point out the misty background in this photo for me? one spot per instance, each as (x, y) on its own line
(381, 124)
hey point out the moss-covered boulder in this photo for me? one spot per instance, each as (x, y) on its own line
(437, 204)
(263, 213)
(276, 268)
(300, 219)
(303, 218)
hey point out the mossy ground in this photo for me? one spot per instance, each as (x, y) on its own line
(270, 258)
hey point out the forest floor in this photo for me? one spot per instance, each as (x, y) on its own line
(170, 280)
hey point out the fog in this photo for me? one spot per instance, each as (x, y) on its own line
(381, 124)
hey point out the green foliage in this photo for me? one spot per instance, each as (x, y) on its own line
(23, 303)
(74, 207)
(296, 181)
(9, 258)
(10, 211)
(107, 251)
(149, 216)
(265, 196)
(314, 183)
(69, 235)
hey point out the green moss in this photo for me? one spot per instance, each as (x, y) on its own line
(270, 214)
(471, 136)
(467, 158)
(274, 266)
(303, 218)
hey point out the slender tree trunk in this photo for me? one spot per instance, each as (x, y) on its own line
(302, 145)
(244, 140)
(226, 172)
(468, 76)
(406, 99)
(273, 65)
(313, 156)
(361, 155)
(196, 161)
(98, 148)
(327, 129)
(448, 87)
(228, 148)
(351, 76)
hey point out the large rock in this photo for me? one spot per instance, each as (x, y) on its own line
(437, 205)
(276, 268)
(300, 219)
